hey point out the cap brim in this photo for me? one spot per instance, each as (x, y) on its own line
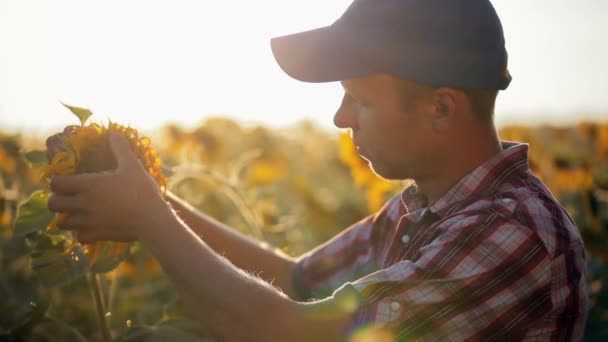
(319, 55)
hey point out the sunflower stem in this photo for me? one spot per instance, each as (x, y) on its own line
(98, 299)
(112, 291)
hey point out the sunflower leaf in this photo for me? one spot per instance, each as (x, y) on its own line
(33, 214)
(56, 268)
(36, 158)
(82, 113)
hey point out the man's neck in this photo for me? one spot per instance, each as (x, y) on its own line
(460, 161)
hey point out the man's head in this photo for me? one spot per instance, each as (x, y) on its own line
(420, 77)
(408, 130)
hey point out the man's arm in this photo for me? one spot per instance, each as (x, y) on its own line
(235, 305)
(246, 253)
(125, 204)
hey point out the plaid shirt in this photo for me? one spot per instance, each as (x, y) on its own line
(494, 258)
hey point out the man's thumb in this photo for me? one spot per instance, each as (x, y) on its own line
(121, 149)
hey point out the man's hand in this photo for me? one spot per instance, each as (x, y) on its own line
(114, 205)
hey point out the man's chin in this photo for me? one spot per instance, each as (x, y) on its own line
(389, 173)
(379, 170)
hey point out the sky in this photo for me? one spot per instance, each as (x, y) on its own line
(148, 62)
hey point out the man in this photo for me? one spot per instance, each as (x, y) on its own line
(476, 249)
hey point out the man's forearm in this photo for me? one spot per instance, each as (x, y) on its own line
(246, 253)
(233, 304)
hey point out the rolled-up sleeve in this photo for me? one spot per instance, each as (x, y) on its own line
(318, 273)
(348, 256)
(482, 277)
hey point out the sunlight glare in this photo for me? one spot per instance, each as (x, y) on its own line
(147, 62)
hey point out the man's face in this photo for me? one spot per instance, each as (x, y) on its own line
(398, 140)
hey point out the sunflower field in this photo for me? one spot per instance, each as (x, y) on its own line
(292, 188)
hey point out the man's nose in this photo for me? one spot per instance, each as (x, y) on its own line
(345, 117)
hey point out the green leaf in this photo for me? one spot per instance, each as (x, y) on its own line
(57, 241)
(82, 113)
(14, 248)
(36, 158)
(33, 214)
(54, 268)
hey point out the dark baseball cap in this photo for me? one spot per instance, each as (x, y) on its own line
(452, 43)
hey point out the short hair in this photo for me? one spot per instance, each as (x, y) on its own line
(482, 101)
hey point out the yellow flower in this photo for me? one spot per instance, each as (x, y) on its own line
(63, 164)
(267, 171)
(86, 149)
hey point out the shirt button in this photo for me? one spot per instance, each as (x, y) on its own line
(395, 305)
(405, 238)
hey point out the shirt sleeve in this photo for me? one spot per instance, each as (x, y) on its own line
(348, 256)
(484, 276)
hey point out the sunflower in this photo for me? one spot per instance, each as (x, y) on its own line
(85, 149)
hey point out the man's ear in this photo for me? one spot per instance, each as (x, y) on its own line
(444, 104)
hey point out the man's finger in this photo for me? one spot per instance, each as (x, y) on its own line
(65, 203)
(86, 236)
(121, 149)
(71, 184)
(83, 235)
(76, 221)
(76, 234)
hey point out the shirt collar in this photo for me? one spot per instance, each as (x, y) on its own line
(513, 159)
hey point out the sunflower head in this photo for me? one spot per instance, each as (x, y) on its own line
(85, 149)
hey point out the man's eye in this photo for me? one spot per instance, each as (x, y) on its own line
(356, 101)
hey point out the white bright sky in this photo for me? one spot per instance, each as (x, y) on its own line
(146, 62)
